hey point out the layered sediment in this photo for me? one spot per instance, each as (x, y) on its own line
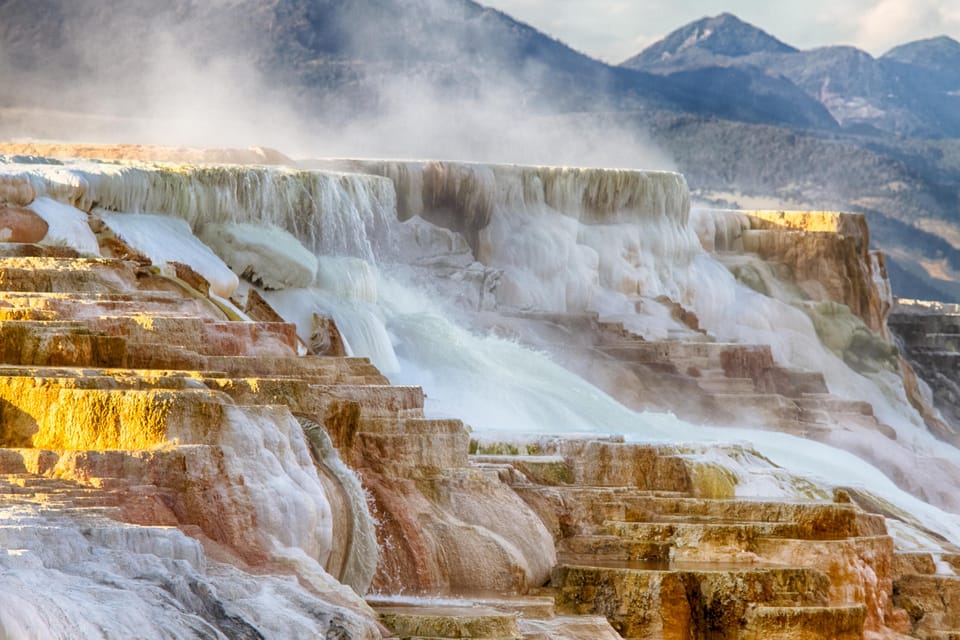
(929, 333)
(201, 452)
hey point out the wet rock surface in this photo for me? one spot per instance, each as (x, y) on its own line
(210, 461)
(930, 336)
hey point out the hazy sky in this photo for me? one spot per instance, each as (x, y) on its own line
(614, 30)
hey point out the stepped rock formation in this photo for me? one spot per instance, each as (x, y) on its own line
(186, 451)
(930, 335)
(827, 253)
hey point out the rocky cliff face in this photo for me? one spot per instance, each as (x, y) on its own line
(929, 336)
(826, 254)
(183, 439)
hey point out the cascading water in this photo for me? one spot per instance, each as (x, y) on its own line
(406, 258)
(565, 240)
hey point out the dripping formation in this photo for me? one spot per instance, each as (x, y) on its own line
(592, 353)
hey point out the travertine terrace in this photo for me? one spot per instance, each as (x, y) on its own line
(231, 478)
(930, 336)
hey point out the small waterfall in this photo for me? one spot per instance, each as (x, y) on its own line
(355, 554)
(550, 240)
(331, 213)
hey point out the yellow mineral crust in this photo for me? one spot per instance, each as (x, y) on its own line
(827, 252)
(849, 224)
(55, 414)
(216, 439)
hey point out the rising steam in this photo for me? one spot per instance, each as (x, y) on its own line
(316, 79)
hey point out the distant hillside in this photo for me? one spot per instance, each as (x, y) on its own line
(939, 55)
(335, 55)
(914, 90)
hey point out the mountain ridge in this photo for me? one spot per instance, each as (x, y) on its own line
(905, 92)
(724, 35)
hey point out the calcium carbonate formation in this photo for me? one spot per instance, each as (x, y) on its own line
(412, 260)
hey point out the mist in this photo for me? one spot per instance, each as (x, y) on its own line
(312, 80)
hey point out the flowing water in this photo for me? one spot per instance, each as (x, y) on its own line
(409, 252)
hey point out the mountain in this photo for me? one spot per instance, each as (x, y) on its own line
(314, 46)
(939, 55)
(929, 71)
(338, 56)
(707, 41)
(857, 89)
(748, 94)
(719, 56)
(912, 91)
(344, 58)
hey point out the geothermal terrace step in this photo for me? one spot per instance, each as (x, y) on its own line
(412, 426)
(643, 603)
(36, 415)
(616, 548)
(461, 617)
(109, 378)
(678, 350)
(97, 467)
(618, 464)
(202, 335)
(592, 627)
(79, 275)
(727, 385)
(738, 535)
(31, 250)
(543, 470)
(158, 355)
(53, 493)
(90, 305)
(932, 601)
(387, 401)
(400, 444)
(913, 563)
(788, 623)
(529, 606)
(424, 622)
(24, 484)
(833, 404)
(20, 313)
(38, 343)
(825, 516)
(628, 503)
(305, 367)
(754, 403)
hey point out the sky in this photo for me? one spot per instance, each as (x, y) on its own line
(614, 30)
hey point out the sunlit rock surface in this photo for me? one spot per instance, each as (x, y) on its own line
(21, 225)
(174, 448)
(826, 253)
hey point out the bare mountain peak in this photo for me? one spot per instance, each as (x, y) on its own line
(723, 35)
(941, 52)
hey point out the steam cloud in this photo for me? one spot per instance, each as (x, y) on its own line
(224, 74)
